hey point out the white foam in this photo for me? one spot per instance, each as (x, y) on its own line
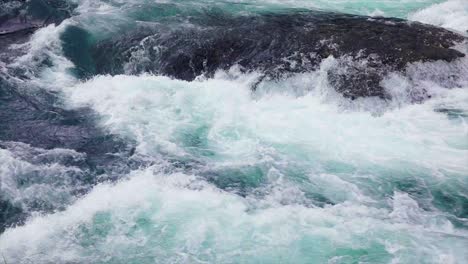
(452, 14)
(159, 112)
(181, 219)
(304, 137)
(45, 45)
(35, 177)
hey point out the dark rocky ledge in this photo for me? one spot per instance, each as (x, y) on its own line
(21, 17)
(18, 25)
(35, 119)
(278, 45)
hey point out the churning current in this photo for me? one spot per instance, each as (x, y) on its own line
(243, 131)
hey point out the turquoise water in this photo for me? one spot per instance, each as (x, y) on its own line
(291, 173)
(393, 8)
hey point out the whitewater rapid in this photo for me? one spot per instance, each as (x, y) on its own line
(292, 172)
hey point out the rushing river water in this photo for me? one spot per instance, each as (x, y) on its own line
(211, 170)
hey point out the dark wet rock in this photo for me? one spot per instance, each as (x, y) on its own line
(17, 25)
(278, 45)
(10, 8)
(6, 40)
(25, 117)
(45, 11)
(20, 18)
(36, 129)
(33, 121)
(34, 116)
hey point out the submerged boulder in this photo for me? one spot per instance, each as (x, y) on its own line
(278, 45)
